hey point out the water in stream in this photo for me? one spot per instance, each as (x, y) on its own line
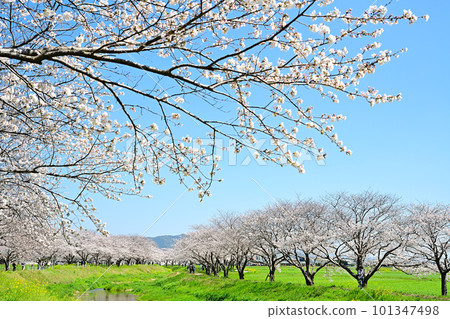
(103, 295)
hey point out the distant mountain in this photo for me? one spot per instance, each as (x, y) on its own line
(166, 241)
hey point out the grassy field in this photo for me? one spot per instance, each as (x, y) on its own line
(164, 283)
(68, 282)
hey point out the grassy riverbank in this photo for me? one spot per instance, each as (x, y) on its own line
(69, 282)
(152, 282)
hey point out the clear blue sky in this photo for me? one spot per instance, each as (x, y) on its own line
(401, 148)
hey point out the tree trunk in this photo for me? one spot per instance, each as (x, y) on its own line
(309, 279)
(365, 282)
(215, 271)
(6, 266)
(240, 266)
(444, 284)
(271, 274)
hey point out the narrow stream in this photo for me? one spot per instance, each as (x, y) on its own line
(101, 294)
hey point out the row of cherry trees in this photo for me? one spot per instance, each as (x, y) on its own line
(19, 244)
(358, 232)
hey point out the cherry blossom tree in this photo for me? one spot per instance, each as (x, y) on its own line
(179, 253)
(171, 256)
(220, 245)
(99, 249)
(141, 250)
(200, 246)
(42, 249)
(25, 227)
(205, 249)
(68, 254)
(220, 251)
(33, 244)
(428, 248)
(265, 230)
(96, 93)
(365, 229)
(8, 244)
(90, 247)
(235, 240)
(224, 257)
(85, 244)
(306, 230)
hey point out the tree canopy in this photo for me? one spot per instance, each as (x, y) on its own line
(102, 93)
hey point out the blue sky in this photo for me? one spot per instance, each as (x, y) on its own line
(401, 148)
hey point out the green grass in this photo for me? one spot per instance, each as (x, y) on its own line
(385, 279)
(68, 282)
(289, 285)
(152, 282)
